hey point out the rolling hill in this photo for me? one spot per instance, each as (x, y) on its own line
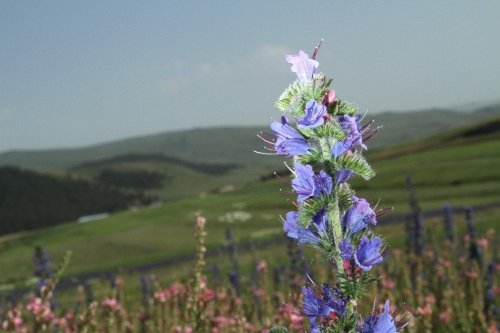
(457, 168)
(234, 145)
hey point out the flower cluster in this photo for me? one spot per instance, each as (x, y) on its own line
(326, 137)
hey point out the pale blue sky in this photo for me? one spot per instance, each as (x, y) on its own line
(75, 73)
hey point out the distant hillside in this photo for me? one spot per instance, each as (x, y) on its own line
(208, 168)
(29, 200)
(236, 144)
(454, 168)
(213, 145)
(174, 178)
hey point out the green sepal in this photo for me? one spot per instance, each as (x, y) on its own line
(355, 288)
(295, 97)
(307, 132)
(308, 209)
(345, 197)
(312, 158)
(331, 131)
(340, 108)
(319, 87)
(278, 330)
(345, 324)
(291, 97)
(357, 163)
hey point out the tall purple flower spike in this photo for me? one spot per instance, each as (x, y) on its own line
(314, 115)
(367, 254)
(289, 141)
(302, 65)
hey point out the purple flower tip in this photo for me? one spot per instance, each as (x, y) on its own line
(302, 65)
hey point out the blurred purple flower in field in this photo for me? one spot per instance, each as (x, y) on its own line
(302, 65)
(314, 115)
(291, 227)
(367, 254)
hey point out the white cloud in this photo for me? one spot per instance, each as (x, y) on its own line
(271, 53)
(265, 60)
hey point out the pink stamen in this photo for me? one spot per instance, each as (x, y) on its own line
(266, 141)
(382, 211)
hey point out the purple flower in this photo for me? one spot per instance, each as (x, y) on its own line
(342, 176)
(304, 182)
(330, 301)
(368, 253)
(288, 140)
(346, 249)
(291, 227)
(359, 216)
(314, 115)
(313, 307)
(383, 323)
(353, 139)
(334, 299)
(323, 183)
(312, 234)
(307, 184)
(316, 230)
(302, 65)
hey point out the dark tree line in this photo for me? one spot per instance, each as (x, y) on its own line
(139, 179)
(30, 200)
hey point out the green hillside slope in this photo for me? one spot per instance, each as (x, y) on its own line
(235, 144)
(181, 178)
(460, 170)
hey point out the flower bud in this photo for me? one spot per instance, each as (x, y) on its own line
(330, 97)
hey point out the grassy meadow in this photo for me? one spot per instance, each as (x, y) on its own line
(453, 169)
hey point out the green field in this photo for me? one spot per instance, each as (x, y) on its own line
(460, 171)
